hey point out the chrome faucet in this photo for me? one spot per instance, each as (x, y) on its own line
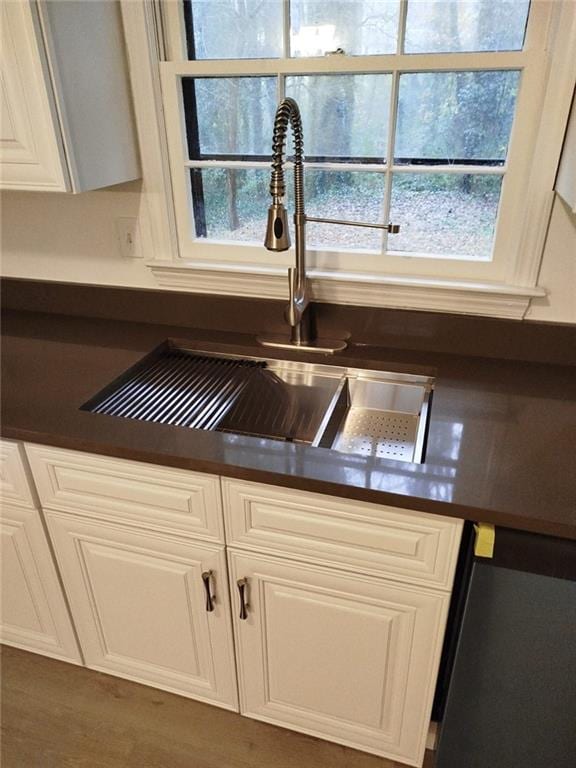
(277, 238)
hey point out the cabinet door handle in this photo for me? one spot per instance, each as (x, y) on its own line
(242, 584)
(210, 598)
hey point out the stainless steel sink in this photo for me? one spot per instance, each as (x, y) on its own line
(349, 410)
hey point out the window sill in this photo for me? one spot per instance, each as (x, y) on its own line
(361, 289)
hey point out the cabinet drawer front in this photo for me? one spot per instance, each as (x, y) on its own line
(131, 492)
(139, 602)
(402, 544)
(349, 658)
(14, 484)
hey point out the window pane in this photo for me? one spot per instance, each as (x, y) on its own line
(457, 117)
(230, 204)
(235, 115)
(435, 26)
(445, 213)
(343, 116)
(225, 29)
(359, 27)
(342, 195)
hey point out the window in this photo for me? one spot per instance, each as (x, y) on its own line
(419, 112)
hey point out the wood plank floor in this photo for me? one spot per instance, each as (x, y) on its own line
(56, 715)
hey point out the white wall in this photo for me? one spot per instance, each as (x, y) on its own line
(73, 238)
(558, 270)
(55, 236)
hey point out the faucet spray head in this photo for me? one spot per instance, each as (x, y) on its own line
(277, 233)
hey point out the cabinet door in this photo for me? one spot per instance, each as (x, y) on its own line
(139, 603)
(349, 658)
(31, 152)
(34, 614)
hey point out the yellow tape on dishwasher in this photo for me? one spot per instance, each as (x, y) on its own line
(485, 537)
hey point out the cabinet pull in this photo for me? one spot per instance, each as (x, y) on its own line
(210, 598)
(242, 584)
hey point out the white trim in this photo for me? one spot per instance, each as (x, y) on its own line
(158, 221)
(561, 82)
(477, 170)
(404, 62)
(376, 290)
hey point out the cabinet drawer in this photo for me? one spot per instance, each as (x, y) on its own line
(397, 543)
(14, 485)
(138, 494)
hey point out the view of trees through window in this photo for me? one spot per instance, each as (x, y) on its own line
(426, 149)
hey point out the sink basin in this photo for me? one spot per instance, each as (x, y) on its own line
(349, 410)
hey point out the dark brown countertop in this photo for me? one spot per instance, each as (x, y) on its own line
(502, 436)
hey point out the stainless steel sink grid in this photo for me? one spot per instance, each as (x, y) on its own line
(349, 410)
(369, 432)
(178, 388)
(382, 417)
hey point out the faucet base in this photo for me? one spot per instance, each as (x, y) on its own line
(324, 346)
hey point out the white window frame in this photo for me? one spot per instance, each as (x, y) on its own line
(501, 287)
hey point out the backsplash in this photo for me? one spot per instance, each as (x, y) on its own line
(391, 328)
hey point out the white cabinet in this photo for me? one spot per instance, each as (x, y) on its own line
(139, 601)
(385, 541)
(345, 612)
(349, 658)
(337, 608)
(141, 495)
(65, 99)
(141, 549)
(34, 614)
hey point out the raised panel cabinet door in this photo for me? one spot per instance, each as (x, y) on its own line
(149, 607)
(344, 657)
(31, 153)
(33, 613)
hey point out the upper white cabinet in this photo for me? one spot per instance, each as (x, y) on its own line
(66, 114)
